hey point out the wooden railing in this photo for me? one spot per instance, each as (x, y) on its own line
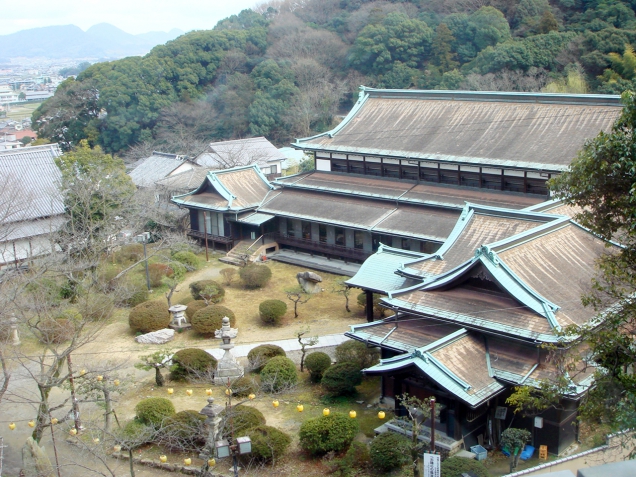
(313, 246)
(211, 238)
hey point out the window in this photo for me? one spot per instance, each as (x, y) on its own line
(392, 171)
(322, 233)
(290, 228)
(338, 165)
(340, 236)
(306, 227)
(409, 172)
(373, 169)
(358, 239)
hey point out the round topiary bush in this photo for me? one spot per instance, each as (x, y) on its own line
(317, 363)
(454, 466)
(243, 387)
(157, 272)
(259, 356)
(341, 379)
(268, 443)
(96, 307)
(185, 431)
(334, 432)
(242, 418)
(187, 258)
(357, 353)
(278, 374)
(152, 411)
(193, 307)
(134, 434)
(255, 276)
(357, 458)
(272, 311)
(389, 451)
(208, 290)
(209, 319)
(149, 316)
(192, 363)
(179, 270)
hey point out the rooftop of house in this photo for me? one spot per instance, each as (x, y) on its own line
(237, 189)
(524, 130)
(156, 167)
(239, 152)
(30, 183)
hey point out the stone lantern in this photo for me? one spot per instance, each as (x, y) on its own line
(213, 420)
(179, 321)
(228, 367)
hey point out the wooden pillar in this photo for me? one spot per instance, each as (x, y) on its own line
(369, 305)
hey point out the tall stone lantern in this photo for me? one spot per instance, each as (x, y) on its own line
(227, 368)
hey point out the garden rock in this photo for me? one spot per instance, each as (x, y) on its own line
(309, 281)
(156, 337)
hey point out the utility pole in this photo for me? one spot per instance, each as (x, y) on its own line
(432, 425)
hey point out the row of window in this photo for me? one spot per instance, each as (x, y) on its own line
(443, 176)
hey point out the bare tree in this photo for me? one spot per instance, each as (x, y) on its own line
(304, 344)
(298, 297)
(341, 288)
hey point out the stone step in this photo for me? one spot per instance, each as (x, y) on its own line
(232, 261)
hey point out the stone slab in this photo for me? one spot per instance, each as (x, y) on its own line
(156, 337)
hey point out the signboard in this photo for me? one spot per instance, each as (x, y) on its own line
(432, 465)
(500, 412)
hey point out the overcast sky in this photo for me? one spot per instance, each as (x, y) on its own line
(132, 16)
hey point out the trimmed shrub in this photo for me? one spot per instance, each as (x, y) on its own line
(255, 276)
(341, 379)
(209, 319)
(390, 451)
(278, 374)
(243, 387)
(357, 353)
(156, 273)
(332, 433)
(357, 457)
(187, 258)
(179, 270)
(243, 418)
(191, 362)
(193, 307)
(149, 316)
(152, 411)
(185, 431)
(454, 466)
(317, 363)
(272, 311)
(96, 307)
(268, 443)
(187, 300)
(134, 434)
(129, 253)
(212, 291)
(377, 309)
(259, 356)
(228, 274)
(133, 291)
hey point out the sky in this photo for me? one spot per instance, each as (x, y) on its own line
(132, 16)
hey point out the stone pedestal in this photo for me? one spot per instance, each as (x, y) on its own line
(227, 368)
(212, 413)
(179, 321)
(15, 336)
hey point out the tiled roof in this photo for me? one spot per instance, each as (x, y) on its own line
(154, 168)
(239, 152)
(31, 183)
(527, 130)
(405, 192)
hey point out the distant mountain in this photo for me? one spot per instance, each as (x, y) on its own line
(69, 41)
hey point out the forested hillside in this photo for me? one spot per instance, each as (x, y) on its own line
(288, 68)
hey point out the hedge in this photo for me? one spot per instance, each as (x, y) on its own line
(209, 319)
(260, 355)
(357, 353)
(454, 466)
(192, 362)
(193, 307)
(317, 363)
(272, 311)
(341, 379)
(149, 316)
(187, 258)
(278, 374)
(214, 292)
(152, 411)
(243, 418)
(157, 272)
(255, 276)
(332, 433)
(268, 443)
(390, 451)
(185, 431)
